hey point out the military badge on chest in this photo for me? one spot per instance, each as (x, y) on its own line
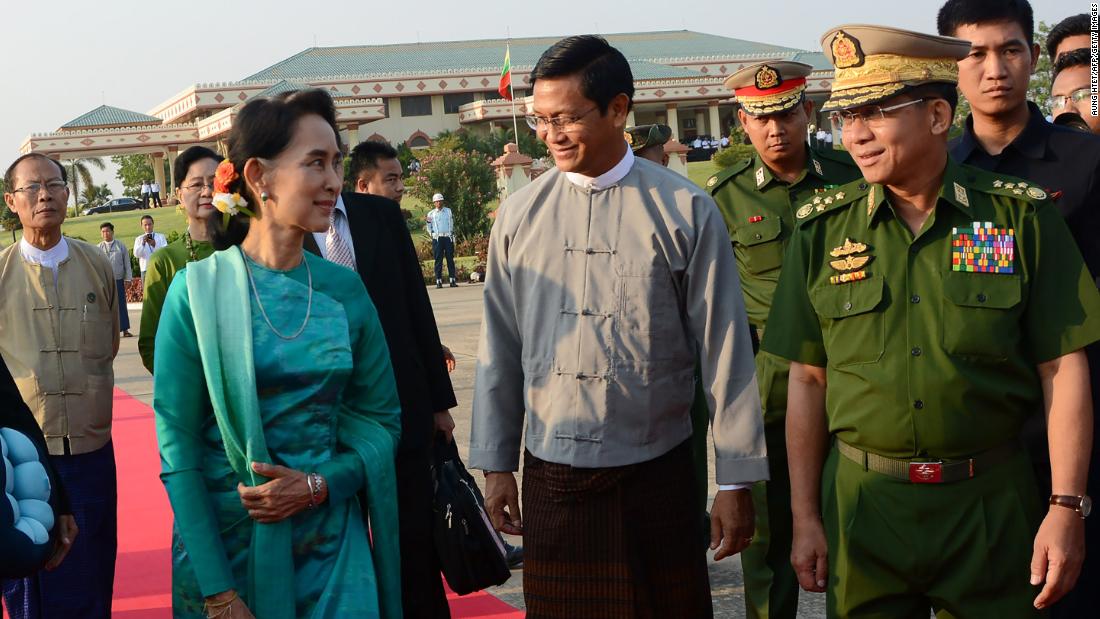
(850, 262)
(983, 248)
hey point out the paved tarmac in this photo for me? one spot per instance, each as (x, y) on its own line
(458, 314)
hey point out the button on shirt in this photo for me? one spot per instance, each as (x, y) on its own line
(440, 222)
(601, 295)
(923, 356)
(342, 229)
(759, 210)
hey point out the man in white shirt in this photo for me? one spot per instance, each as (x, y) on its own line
(146, 244)
(441, 225)
(154, 191)
(145, 194)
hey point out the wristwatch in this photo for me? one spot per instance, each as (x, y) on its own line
(1080, 504)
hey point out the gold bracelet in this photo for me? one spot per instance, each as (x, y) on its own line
(208, 605)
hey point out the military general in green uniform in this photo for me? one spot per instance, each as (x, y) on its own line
(928, 310)
(758, 198)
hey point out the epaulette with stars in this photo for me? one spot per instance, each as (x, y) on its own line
(719, 179)
(832, 200)
(1015, 188)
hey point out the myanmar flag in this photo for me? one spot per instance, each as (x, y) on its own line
(505, 88)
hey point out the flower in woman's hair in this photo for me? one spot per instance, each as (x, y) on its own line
(224, 176)
(230, 204)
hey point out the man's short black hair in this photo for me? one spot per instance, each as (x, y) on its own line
(149, 217)
(9, 174)
(936, 90)
(1076, 58)
(956, 13)
(107, 224)
(365, 157)
(1068, 27)
(604, 71)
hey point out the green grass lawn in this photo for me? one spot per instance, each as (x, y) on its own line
(700, 171)
(127, 225)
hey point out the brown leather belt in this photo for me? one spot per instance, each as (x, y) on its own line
(928, 471)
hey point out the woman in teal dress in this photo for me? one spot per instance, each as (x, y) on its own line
(274, 397)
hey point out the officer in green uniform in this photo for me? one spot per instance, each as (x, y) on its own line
(758, 198)
(648, 142)
(928, 309)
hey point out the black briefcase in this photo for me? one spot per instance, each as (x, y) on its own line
(471, 553)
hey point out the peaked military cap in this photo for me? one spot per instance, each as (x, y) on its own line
(644, 136)
(769, 87)
(874, 63)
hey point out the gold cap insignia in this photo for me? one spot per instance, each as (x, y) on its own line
(846, 51)
(804, 211)
(767, 78)
(629, 138)
(712, 180)
(1036, 193)
(847, 249)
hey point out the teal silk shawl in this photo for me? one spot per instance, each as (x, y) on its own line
(224, 329)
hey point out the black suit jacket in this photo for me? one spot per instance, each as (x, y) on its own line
(386, 260)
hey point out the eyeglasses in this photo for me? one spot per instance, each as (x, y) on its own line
(562, 124)
(198, 186)
(871, 115)
(1063, 101)
(31, 190)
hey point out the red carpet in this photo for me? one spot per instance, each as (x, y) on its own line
(143, 576)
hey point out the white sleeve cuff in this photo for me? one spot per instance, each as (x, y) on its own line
(724, 487)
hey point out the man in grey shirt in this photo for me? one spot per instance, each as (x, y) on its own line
(120, 264)
(607, 279)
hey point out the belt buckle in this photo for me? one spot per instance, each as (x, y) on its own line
(926, 472)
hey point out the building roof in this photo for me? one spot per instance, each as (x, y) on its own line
(279, 88)
(488, 55)
(817, 60)
(105, 115)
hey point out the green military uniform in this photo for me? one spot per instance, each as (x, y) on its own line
(931, 343)
(759, 210)
(930, 353)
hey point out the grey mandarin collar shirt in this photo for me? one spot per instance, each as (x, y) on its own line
(600, 295)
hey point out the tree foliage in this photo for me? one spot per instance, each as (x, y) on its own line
(79, 172)
(8, 219)
(93, 195)
(492, 145)
(133, 169)
(467, 181)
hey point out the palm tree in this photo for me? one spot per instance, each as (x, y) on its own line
(78, 171)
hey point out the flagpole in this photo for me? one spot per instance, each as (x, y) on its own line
(512, 91)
